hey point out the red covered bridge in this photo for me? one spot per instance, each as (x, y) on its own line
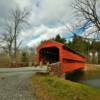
(53, 52)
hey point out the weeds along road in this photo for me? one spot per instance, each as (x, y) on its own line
(16, 85)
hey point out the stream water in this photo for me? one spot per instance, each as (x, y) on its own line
(91, 78)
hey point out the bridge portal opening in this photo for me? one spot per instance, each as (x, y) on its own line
(49, 55)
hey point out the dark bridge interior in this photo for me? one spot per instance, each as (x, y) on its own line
(50, 54)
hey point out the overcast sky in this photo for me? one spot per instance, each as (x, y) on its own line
(45, 19)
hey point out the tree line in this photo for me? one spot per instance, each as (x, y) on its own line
(90, 49)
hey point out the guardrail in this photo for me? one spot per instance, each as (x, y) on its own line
(22, 69)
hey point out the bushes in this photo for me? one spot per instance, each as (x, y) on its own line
(24, 57)
(4, 61)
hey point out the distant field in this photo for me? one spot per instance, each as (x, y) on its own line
(53, 88)
(90, 67)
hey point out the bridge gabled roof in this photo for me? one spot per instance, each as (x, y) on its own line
(51, 43)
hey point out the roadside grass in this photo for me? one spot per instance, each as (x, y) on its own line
(54, 88)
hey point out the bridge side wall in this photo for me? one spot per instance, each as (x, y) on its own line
(72, 61)
(68, 67)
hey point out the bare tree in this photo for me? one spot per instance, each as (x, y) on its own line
(72, 28)
(16, 22)
(19, 20)
(6, 39)
(88, 9)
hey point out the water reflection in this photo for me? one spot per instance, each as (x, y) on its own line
(91, 78)
(91, 82)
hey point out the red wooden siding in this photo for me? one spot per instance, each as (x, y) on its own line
(69, 60)
(70, 55)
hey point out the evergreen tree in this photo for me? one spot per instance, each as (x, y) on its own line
(79, 44)
(60, 39)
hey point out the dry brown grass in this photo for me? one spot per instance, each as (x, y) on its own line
(92, 67)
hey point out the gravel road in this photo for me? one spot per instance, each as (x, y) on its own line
(16, 86)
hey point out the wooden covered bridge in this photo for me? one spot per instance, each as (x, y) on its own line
(61, 59)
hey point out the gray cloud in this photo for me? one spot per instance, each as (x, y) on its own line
(44, 13)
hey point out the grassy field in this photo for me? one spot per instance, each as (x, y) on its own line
(54, 88)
